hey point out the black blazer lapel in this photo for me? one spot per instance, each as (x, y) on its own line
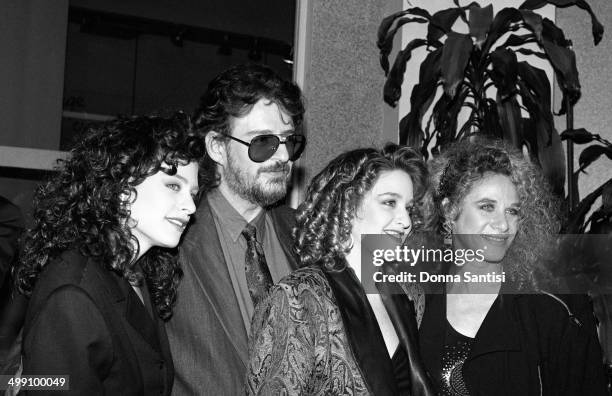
(138, 317)
(363, 333)
(112, 297)
(126, 303)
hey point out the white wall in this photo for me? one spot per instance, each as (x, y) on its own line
(594, 110)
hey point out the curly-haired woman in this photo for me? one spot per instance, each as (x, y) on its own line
(318, 332)
(100, 262)
(490, 331)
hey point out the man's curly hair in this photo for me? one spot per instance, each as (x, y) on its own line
(325, 218)
(454, 173)
(84, 207)
(233, 93)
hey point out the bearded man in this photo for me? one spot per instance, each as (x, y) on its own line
(240, 242)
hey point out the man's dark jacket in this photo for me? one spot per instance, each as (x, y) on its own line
(207, 334)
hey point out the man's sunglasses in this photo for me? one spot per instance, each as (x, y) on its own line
(263, 147)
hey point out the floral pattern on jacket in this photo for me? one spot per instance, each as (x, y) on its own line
(299, 344)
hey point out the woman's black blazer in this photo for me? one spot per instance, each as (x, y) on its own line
(87, 322)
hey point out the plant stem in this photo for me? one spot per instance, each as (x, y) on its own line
(569, 118)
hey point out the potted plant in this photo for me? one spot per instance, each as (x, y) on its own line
(479, 71)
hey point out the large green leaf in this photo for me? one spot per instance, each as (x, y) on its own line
(386, 44)
(533, 22)
(539, 126)
(592, 153)
(421, 97)
(563, 61)
(385, 26)
(392, 90)
(445, 116)
(552, 33)
(596, 26)
(578, 136)
(411, 132)
(576, 216)
(489, 122)
(552, 158)
(479, 23)
(504, 67)
(561, 57)
(539, 132)
(536, 81)
(510, 120)
(442, 22)
(387, 22)
(388, 28)
(526, 51)
(514, 40)
(502, 21)
(535, 109)
(429, 72)
(455, 55)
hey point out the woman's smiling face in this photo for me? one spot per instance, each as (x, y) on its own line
(386, 208)
(163, 206)
(488, 217)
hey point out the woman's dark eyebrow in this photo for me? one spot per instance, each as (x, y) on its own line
(491, 200)
(393, 194)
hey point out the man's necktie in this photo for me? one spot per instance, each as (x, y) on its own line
(258, 275)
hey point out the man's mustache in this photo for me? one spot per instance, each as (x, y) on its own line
(278, 167)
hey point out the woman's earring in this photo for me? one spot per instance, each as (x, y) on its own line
(447, 232)
(351, 244)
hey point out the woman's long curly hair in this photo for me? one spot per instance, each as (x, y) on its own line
(325, 218)
(454, 173)
(84, 207)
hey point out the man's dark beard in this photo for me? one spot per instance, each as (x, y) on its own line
(255, 191)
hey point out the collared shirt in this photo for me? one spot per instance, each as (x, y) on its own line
(143, 294)
(230, 224)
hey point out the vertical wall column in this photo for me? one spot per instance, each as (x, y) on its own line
(341, 78)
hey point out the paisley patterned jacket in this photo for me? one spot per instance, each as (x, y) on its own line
(316, 334)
